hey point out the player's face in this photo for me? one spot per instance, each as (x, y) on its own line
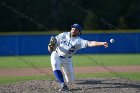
(74, 32)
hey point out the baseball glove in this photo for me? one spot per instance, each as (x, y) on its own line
(52, 44)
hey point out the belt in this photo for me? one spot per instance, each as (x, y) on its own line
(64, 57)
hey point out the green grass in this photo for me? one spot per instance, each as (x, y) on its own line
(14, 79)
(24, 61)
(78, 60)
(107, 59)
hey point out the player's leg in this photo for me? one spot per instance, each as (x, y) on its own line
(67, 68)
(56, 62)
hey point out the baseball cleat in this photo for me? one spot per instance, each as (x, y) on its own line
(63, 87)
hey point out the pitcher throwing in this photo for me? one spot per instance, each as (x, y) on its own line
(62, 47)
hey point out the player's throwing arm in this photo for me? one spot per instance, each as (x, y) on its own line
(95, 43)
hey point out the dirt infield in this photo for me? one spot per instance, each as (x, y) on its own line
(90, 85)
(79, 70)
(95, 85)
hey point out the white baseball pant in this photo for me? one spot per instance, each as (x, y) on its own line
(66, 63)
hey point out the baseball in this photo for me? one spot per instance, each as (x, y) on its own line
(112, 40)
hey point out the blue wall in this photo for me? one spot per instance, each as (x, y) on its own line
(37, 44)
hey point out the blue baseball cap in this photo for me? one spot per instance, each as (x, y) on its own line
(77, 26)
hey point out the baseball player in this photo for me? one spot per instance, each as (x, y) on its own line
(62, 47)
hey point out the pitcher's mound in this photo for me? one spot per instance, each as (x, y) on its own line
(95, 85)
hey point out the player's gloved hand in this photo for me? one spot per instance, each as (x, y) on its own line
(52, 44)
(51, 48)
(52, 41)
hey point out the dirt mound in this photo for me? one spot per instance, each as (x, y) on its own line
(95, 85)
